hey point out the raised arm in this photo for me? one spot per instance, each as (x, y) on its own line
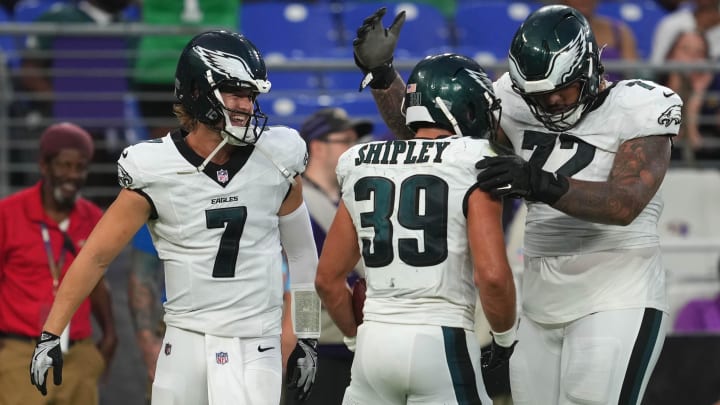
(374, 49)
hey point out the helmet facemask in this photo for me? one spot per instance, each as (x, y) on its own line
(561, 120)
(257, 120)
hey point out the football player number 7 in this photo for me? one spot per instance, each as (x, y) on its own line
(233, 220)
(422, 206)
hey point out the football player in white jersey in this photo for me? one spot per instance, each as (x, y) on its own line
(430, 242)
(589, 159)
(221, 197)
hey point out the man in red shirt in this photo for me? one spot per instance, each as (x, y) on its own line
(41, 230)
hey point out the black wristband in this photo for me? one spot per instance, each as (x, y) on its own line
(383, 76)
(548, 187)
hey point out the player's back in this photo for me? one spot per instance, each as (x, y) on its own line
(408, 202)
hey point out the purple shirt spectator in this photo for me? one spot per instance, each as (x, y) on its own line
(700, 315)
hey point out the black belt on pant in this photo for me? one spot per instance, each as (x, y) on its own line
(25, 338)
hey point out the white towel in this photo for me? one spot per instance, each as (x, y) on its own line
(225, 371)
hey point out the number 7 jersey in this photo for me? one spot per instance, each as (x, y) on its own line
(216, 231)
(407, 200)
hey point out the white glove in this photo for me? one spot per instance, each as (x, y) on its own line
(47, 354)
(302, 367)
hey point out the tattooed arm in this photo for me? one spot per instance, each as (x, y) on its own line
(144, 289)
(639, 168)
(389, 102)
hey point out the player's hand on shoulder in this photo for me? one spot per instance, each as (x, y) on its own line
(512, 176)
(373, 49)
(47, 354)
(302, 367)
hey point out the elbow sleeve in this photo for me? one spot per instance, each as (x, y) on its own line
(299, 244)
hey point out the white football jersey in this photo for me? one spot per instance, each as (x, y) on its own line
(575, 267)
(407, 200)
(631, 109)
(217, 230)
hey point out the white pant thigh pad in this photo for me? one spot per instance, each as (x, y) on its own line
(609, 356)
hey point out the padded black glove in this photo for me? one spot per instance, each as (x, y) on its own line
(302, 367)
(374, 47)
(47, 354)
(495, 361)
(511, 176)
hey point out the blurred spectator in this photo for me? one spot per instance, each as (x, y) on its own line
(145, 298)
(328, 133)
(157, 54)
(82, 79)
(42, 228)
(693, 86)
(669, 5)
(700, 315)
(694, 15)
(616, 38)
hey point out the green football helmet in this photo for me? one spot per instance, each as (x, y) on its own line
(221, 60)
(555, 48)
(452, 92)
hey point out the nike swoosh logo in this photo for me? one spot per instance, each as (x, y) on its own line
(668, 94)
(264, 349)
(124, 154)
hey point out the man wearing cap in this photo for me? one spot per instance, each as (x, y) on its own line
(328, 133)
(41, 230)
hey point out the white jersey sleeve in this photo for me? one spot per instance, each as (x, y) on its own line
(288, 148)
(647, 107)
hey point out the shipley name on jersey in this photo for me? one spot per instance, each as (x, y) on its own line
(403, 152)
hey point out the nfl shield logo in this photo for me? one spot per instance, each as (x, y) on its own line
(221, 357)
(168, 348)
(222, 176)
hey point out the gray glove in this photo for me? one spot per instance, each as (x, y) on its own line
(302, 367)
(47, 354)
(373, 49)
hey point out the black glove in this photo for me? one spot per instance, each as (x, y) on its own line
(495, 361)
(302, 367)
(373, 49)
(47, 354)
(511, 176)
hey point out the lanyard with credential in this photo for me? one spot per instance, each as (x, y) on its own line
(55, 266)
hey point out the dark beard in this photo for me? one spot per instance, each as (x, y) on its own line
(63, 204)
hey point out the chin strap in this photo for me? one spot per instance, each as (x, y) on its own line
(207, 160)
(449, 116)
